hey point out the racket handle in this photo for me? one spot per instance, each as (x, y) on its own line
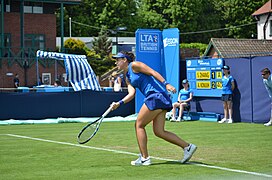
(107, 112)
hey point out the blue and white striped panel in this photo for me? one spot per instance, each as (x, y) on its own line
(79, 71)
(80, 74)
(55, 55)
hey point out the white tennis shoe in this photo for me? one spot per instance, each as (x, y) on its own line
(173, 119)
(268, 124)
(141, 161)
(178, 119)
(230, 121)
(188, 152)
(223, 120)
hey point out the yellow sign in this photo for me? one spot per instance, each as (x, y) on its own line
(203, 85)
(203, 75)
(219, 85)
(218, 74)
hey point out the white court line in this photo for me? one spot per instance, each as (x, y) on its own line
(124, 152)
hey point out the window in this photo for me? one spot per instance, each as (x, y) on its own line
(7, 40)
(33, 7)
(35, 41)
(7, 6)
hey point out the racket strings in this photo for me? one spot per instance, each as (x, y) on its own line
(88, 132)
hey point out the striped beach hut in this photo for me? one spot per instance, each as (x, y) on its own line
(79, 72)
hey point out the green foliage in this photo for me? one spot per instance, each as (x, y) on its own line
(101, 67)
(202, 47)
(91, 55)
(75, 46)
(190, 16)
(102, 45)
(238, 12)
(95, 14)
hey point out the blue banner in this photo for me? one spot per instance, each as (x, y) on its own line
(170, 66)
(148, 51)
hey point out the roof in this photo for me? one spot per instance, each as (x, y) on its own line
(266, 8)
(230, 48)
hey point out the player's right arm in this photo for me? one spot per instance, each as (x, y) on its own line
(127, 98)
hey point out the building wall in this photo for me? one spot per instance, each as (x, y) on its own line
(28, 76)
(33, 24)
(213, 53)
(44, 24)
(260, 26)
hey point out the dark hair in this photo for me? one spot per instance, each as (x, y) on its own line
(58, 82)
(129, 54)
(266, 71)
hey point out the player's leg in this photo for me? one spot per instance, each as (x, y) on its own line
(158, 129)
(145, 116)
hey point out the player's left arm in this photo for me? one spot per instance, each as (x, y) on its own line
(143, 68)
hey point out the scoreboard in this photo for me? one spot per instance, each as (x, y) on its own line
(205, 76)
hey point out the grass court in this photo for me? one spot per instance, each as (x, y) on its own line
(51, 151)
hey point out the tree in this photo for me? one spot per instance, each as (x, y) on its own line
(102, 45)
(238, 12)
(187, 15)
(90, 16)
(75, 46)
(201, 47)
(197, 20)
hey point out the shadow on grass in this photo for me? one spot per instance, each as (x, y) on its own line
(179, 163)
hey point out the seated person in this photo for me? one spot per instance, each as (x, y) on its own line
(57, 83)
(184, 97)
(117, 81)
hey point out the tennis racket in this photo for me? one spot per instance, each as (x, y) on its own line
(88, 131)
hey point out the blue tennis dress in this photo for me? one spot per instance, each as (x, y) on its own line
(156, 96)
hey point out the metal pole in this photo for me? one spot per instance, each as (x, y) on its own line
(2, 29)
(70, 27)
(22, 30)
(22, 25)
(61, 29)
(116, 41)
(37, 70)
(56, 70)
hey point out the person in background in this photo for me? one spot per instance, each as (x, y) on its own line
(184, 98)
(16, 81)
(267, 80)
(227, 88)
(57, 83)
(156, 103)
(116, 81)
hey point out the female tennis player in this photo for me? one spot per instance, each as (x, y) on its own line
(156, 103)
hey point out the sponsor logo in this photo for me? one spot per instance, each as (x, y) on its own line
(170, 42)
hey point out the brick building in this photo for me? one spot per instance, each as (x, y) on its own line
(26, 26)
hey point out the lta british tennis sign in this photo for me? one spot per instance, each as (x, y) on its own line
(149, 42)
